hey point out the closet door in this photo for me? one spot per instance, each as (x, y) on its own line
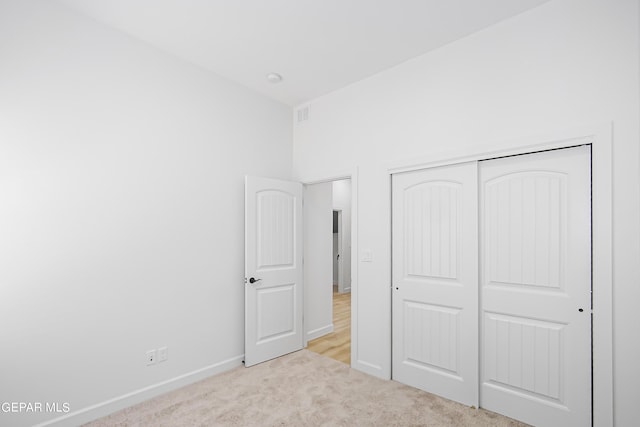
(535, 218)
(435, 288)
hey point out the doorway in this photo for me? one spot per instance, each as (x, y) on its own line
(515, 337)
(336, 341)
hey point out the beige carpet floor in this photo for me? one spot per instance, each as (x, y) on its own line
(300, 389)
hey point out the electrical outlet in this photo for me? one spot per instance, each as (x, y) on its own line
(163, 354)
(151, 357)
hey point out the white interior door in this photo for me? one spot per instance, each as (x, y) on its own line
(435, 281)
(536, 287)
(273, 269)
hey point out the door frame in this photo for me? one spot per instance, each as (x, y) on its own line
(353, 176)
(340, 245)
(600, 139)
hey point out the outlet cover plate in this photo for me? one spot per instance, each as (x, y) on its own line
(151, 357)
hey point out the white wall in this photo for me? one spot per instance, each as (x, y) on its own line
(566, 63)
(318, 291)
(342, 202)
(121, 210)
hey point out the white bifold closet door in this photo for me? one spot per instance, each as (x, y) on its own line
(435, 281)
(536, 287)
(506, 327)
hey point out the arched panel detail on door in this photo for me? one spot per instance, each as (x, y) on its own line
(526, 229)
(276, 229)
(432, 228)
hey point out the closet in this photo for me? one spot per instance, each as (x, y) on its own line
(491, 284)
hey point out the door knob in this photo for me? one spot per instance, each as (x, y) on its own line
(252, 280)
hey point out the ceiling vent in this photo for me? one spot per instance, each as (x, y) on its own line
(303, 114)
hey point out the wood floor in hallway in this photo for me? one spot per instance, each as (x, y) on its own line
(337, 345)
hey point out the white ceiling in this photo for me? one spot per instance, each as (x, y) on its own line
(318, 46)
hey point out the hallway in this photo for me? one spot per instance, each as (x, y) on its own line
(337, 345)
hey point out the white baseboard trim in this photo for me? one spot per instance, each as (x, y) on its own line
(317, 333)
(110, 406)
(369, 368)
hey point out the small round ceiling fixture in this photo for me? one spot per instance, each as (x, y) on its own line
(274, 78)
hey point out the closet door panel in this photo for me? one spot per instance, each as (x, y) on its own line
(535, 228)
(435, 288)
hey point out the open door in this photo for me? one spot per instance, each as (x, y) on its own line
(273, 269)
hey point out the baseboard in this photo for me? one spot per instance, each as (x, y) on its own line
(317, 333)
(369, 368)
(110, 406)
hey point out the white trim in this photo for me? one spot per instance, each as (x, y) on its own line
(329, 178)
(600, 138)
(557, 139)
(110, 406)
(341, 278)
(369, 368)
(355, 362)
(602, 223)
(319, 332)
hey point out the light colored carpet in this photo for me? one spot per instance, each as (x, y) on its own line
(300, 389)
